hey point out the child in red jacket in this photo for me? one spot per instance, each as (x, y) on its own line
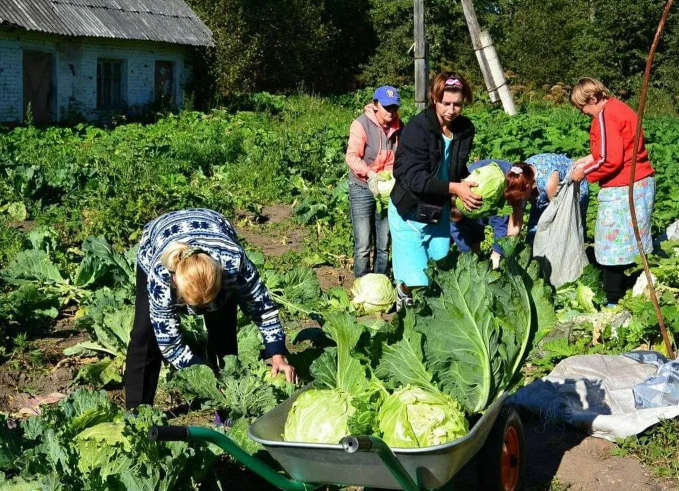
(611, 139)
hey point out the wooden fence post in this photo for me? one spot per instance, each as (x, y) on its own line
(420, 56)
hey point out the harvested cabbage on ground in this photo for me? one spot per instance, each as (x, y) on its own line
(491, 187)
(373, 293)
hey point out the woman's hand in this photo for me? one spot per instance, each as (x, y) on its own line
(578, 173)
(373, 179)
(463, 190)
(279, 364)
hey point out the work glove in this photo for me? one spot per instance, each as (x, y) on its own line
(373, 179)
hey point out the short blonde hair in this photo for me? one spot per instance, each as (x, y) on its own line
(197, 276)
(585, 88)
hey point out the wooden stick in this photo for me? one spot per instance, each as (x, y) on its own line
(637, 137)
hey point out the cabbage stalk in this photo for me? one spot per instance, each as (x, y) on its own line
(491, 187)
(319, 416)
(373, 293)
(413, 417)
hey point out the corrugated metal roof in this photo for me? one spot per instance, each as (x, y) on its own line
(170, 21)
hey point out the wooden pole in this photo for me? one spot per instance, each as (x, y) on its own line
(633, 168)
(499, 81)
(420, 56)
(475, 33)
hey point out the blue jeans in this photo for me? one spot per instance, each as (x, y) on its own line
(368, 224)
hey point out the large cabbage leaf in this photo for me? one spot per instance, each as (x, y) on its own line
(347, 372)
(476, 330)
(402, 363)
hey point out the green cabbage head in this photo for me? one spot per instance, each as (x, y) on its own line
(413, 417)
(384, 188)
(373, 293)
(319, 416)
(491, 186)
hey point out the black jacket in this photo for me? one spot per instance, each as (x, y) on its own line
(418, 159)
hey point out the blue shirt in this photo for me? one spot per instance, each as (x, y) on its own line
(444, 171)
(213, 234)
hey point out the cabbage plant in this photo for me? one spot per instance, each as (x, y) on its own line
(373, 293)
(414, 417)
(319, 416)
(491, 187)
(384, 189)
(326, 414)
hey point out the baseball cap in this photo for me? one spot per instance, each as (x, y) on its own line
(387, 96)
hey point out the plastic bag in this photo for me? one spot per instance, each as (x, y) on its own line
(559, 245)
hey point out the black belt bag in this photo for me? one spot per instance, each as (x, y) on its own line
(428, 213)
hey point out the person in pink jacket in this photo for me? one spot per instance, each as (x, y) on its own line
(373, 140)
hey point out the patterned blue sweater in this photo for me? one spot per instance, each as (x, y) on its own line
(214, 234)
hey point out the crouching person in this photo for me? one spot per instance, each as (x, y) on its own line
(190, 261)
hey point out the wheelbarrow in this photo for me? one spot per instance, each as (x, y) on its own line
(367, 461)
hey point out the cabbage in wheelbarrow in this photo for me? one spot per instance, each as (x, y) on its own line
(412, 382)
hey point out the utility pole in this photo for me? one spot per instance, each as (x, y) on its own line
(488, 60)
(420, 56)
(475, 33)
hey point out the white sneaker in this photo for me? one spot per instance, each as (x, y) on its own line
(402, 300)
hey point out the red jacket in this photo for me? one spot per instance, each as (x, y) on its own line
(611, 140)
(370, 146)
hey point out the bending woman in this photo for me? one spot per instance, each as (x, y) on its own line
(431, 160)
(550, 170)
(190, 261)
(468, 233)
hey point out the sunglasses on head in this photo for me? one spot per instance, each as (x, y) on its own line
(453, 82)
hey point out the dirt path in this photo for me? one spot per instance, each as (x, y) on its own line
(276, 232)
(581, 463)
(42, 369)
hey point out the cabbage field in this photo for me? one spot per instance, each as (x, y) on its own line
(73, 201)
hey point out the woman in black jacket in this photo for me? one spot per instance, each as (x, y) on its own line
(431, 160)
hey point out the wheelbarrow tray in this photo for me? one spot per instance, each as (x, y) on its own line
(429, 467)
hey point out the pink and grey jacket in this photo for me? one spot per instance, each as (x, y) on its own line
(371, 146)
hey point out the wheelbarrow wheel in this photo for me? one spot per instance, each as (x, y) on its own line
(502, 459)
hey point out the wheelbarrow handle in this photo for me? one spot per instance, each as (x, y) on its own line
(364, 443)
(205, 435)
(169, 434)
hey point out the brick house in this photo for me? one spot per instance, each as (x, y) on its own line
(93, 58)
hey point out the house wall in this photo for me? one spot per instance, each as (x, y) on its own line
(74, 74)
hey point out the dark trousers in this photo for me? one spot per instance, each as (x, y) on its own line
(616, 282)
(142, 366)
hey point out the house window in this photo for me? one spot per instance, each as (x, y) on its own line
(109, 84)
